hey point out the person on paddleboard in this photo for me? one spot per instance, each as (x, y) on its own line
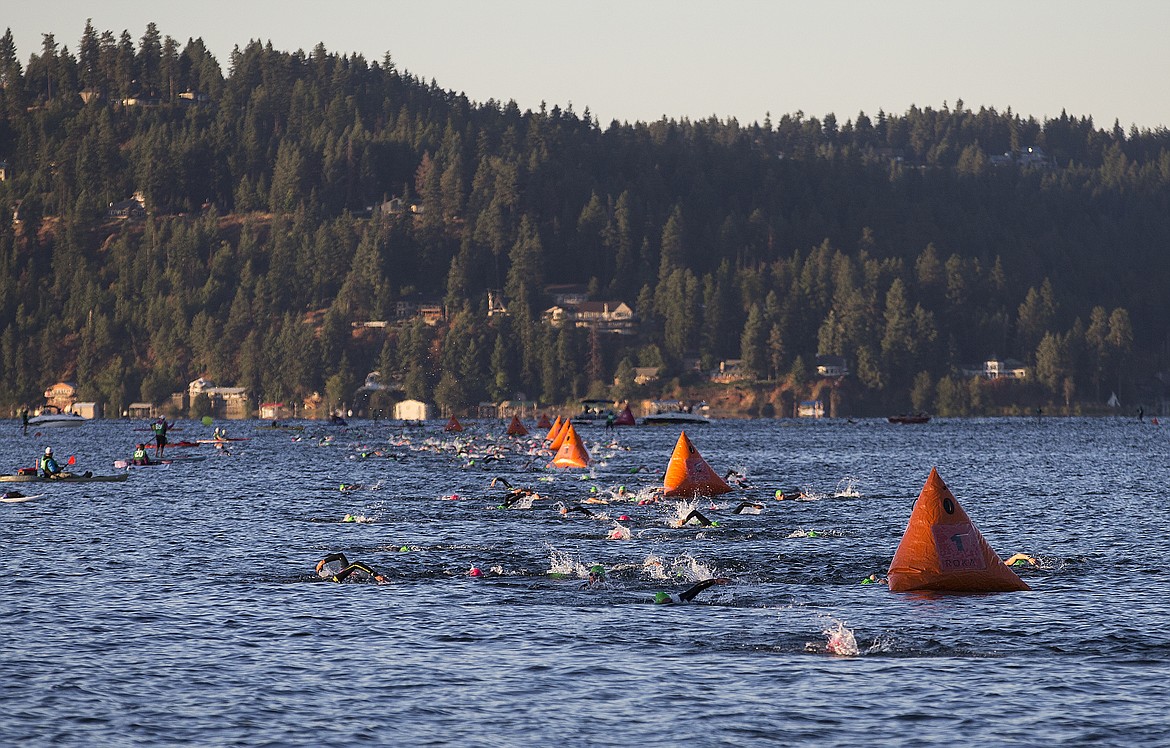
(336, 568)
(160, 428)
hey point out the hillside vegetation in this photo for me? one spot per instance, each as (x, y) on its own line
(905, 243)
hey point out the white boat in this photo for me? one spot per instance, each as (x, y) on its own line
(676, 411)
(53, 416)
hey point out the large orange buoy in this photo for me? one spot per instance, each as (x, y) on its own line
(625, 418)
(543, 423)
(559, 439)
(515, 428)
(554, 431)
(942, 549)
(688, 474)
(453, 425)
(572, 452)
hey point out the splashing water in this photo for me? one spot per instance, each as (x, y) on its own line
(841, 641)
(563, 562)
(847, 489)
(687, 567)
(619, 532)
(681, 510)
(653, 567)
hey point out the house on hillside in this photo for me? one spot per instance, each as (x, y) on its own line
(995, 368)
(604, 316)
(730, 370)
(414, 410)
(227, 403)
(831, 366)
(133, 209)
(61, 395)
(429, 308)
(90, 410)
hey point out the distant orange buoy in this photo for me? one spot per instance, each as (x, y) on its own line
(543, 423)
(572, 452)
(515, 428)
(453, 425)
(942, 549)
(688, 474)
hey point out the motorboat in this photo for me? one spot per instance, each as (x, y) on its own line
(676, 411)
(908, 418)
(594, 411)
(51, 415)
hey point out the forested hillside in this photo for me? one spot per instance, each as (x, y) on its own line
(905, 243)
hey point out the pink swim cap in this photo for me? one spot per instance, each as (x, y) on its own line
(624, 517)
(475, 572)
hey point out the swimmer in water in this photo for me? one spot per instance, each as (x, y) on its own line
(748, 507)
(874, 579)
(596, 577)
(738, 478)
(666, 598)
(697, 516)
(336, 568)
(579, 509)
(1021, 559)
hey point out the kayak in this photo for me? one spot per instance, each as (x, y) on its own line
(77, 478)
(182, 444)
(20, 499)
(226, 439)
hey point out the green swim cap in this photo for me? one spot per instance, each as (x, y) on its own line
(779, 493)
(593, 489)
(714, 524)
(597, 569)
(403, 549)
(661, 597)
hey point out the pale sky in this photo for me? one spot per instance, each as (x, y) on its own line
(642, 59)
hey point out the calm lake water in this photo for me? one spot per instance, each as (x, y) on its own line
(181, 607)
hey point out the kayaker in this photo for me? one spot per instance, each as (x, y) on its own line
(140, 457)
(49, 466)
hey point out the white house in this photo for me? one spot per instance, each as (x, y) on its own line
(414, 410)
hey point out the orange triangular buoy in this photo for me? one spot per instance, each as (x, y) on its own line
(688, 474)
(554, 430)
(543, 423)
(625, 418)
(943, 550)
(572, 452)
(453, 425)
(515, 428)
(559, 439)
